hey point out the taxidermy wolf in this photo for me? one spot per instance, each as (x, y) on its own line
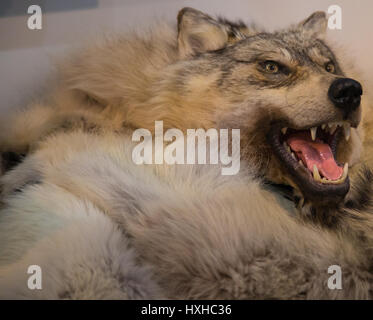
(99, 226)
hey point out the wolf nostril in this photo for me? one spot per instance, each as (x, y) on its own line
(346, 94)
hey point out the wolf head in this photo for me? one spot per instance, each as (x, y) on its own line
(286, 91)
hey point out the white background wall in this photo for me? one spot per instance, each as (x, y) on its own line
(26, 56)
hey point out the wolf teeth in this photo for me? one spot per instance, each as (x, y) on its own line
(316, 176)
(286, 146)
(313, 133)
(330, 127)
(333, 126)
(345, 170)
(347, 130)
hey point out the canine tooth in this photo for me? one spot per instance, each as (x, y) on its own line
(283, 130)
(316, 174)
(300, 162)
(347, 130)
(313, 133)
(293, 155)
(345, 171)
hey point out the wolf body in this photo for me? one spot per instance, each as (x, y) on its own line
(100, 226)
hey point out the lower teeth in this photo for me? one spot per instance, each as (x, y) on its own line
(317, 177)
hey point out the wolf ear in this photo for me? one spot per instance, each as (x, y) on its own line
(315, 25)
(198, 32)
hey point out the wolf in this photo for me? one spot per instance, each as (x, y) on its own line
(102, 227)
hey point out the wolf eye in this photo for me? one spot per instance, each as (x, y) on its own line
(330, 67)
(271, 67)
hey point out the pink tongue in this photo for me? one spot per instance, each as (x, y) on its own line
(315, 152)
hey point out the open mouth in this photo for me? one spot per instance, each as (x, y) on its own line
(309, 156)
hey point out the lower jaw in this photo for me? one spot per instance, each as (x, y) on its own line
(321, 194)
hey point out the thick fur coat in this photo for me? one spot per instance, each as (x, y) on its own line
(102, 227)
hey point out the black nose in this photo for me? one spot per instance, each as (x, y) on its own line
(346, 94)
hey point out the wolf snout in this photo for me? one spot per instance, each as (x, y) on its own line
(345, 93)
